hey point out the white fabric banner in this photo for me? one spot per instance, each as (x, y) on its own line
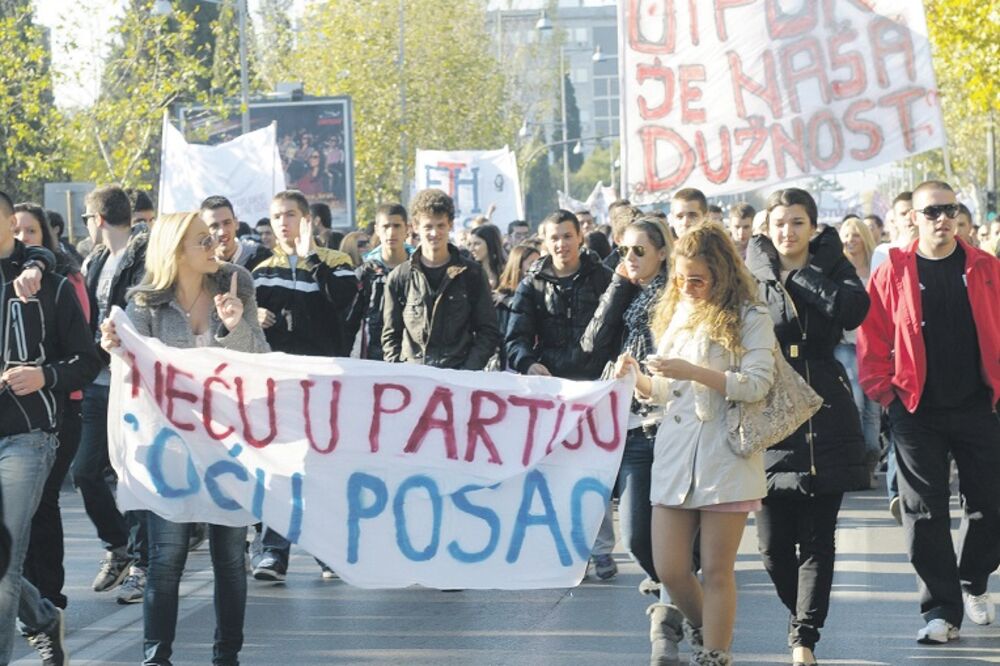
(246, 170)
(475, 179)
(735, 95)
(390, 474)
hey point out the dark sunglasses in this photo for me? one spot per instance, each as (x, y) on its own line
(639, 250)
(934, 212)
(86, 218)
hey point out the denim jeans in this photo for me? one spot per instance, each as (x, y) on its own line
(276, 545)
(25, 461)
(113, 529)
(43, 565)
(634, 510)
(167, 555)
(869, 410)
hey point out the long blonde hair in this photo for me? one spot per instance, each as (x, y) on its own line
(163, 250)
(721, 314)
(867, 240)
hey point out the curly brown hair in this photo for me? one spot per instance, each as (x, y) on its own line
(432, 202)
(733, 287)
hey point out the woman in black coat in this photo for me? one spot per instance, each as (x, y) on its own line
(813, 294)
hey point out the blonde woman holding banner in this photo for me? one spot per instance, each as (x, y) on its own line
(187, 299)
(706, 319)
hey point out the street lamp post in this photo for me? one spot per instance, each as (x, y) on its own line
(165, 9)
(565, 128)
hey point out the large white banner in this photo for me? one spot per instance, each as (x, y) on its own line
(390, 474)
(475, 179)
(246, 170)
(732, 95)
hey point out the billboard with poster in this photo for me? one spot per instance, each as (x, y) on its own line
(315, 139)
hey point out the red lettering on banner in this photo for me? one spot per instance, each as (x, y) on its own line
(454, 169)
(794, 146)
(650, 136)
(477, 425)
(334, 410)
(579, 428)
(206, 405)
(441, 397)
(272, 417)
(720, 15)
(852, 60)
(756, 134)
(781, 25)
(721, 174)
(555, 430)
(880, 29)
(816, 122)
(656, 72)
(158, 383)
(533, 405)
(688, 74)
(866, 127)
(830, 13)
(902, 100)
(770, 91)
(815, 70)
(693, 14)
(172, 392)
(638, 42)
(134, 374)
(616, 434)
(378, 410)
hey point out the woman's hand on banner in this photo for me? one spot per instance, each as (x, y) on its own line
(109, 336)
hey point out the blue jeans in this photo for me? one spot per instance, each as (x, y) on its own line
(25, 461)
(167, 554)
(113, 529)
(869, 411)
(634, 510)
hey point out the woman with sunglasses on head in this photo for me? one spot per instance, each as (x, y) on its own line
(621, 322)
(188, 298)
(699, 487)
(813, 294)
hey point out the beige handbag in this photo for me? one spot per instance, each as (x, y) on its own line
(790, 402)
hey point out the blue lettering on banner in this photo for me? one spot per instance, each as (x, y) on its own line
(398, 509)
(155, 466)
(217, 469)
(356, 510)
(489, 516)
(577, 535)
(295, 523)
(534, 482)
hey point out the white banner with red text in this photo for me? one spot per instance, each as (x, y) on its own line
(476, 180)
(390, 474)
(733, 95)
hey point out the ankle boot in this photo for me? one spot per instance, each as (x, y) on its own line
(703, 657)
(692, 634)
(664, 634)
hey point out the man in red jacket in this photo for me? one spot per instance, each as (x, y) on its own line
(930, 352)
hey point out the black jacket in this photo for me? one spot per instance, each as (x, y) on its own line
(827, 454)
(47, 331)
(367, 308)
(547, 322)
(606, 331)
(129, 273)
(456, 327)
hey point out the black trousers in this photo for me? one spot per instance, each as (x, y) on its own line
(795, 536)
(923, 443)
(43, 563)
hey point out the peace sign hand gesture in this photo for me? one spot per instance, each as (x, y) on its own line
(229, 306)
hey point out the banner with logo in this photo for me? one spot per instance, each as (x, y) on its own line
(739, 94)
(392, 474)
(476, 180)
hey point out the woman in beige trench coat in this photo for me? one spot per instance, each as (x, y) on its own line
(714, 346)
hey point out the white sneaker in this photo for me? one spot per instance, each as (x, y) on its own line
(937, 632)
(979, 607)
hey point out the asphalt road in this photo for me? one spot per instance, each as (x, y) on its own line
(873, 619)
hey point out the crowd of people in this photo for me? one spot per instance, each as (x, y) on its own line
(895, 324)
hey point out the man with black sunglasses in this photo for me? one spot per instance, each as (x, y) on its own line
(929, 351)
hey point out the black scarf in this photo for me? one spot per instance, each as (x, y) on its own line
(639, 341)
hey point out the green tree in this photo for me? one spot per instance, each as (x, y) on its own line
(275, 43)
(966, 45)
(29, 145)
(454, 89)
(540, 195)
(595, 168)
(572, 126)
